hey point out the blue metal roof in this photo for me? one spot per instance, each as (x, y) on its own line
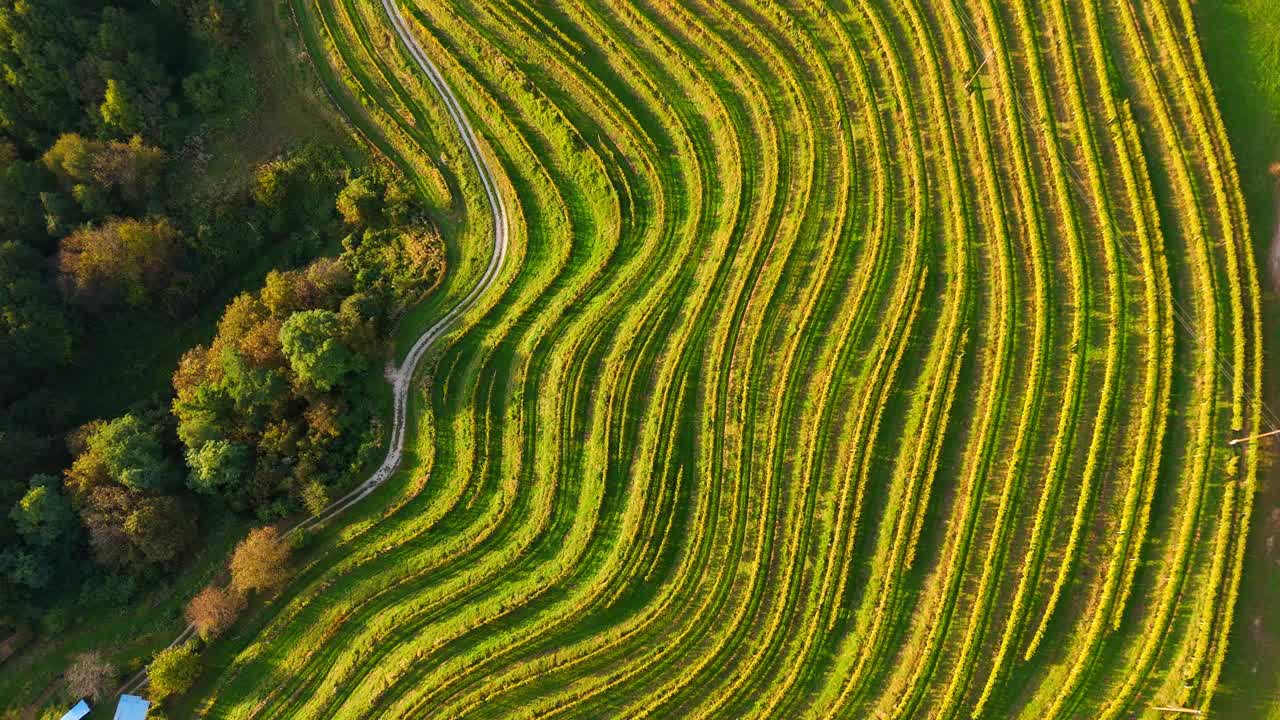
(80, 710)
(132, 707)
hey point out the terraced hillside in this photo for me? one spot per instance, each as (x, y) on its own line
(859, 359)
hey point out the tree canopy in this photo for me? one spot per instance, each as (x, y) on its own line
(260, 561)
(312, 342)
(132, 455)
(35, 334)
(218, 465)
(214, 610)
(124, 261)
(43, 516)
(173, 670)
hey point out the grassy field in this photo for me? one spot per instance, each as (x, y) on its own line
(1242, 53)
(860, 359)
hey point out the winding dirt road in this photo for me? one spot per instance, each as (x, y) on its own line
(401, 378)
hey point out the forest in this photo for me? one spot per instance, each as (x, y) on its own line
(104, 114)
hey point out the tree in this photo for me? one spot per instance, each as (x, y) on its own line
(223, 88)
(260, 561)
(173, 670)
(214, 610)
(132, 454)
(204, 414)
(312, 345)
(219, 22)
(71, 158)
(22, 209)
(61, 213)
(86, 474)
(127, 529)
(122, 108)
(360, 202)
(321, 284)
(34, 331)
(25, 568)
(297, 191)
(315, 497)
(41, 44)
(90, 676)
(124, 261)
(133, 169)
(106, 508)
(217, 466)
(130, 170)
(160, 528)
(403, 263)
(279, 295)
(43, 516)
(254, 390)
(359, 316)
(22, 452)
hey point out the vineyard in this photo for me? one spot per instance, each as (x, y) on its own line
(861, 359)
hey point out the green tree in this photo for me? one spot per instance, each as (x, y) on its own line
(34, 332)
(122, 108)
(41, 44)
(132, 454)
(315, 496)
(22, 210)
(173, 670)
(312, 345)
(224, 88)
(297, 191)
(217, 466)
(360, 202)
(43, 516)
(254, 390)
(218, 22)
(25, 568)
(61, 213)
(203, 415)
(160, 528)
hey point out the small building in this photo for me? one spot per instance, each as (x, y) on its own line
(80, 710)
(132, 707)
